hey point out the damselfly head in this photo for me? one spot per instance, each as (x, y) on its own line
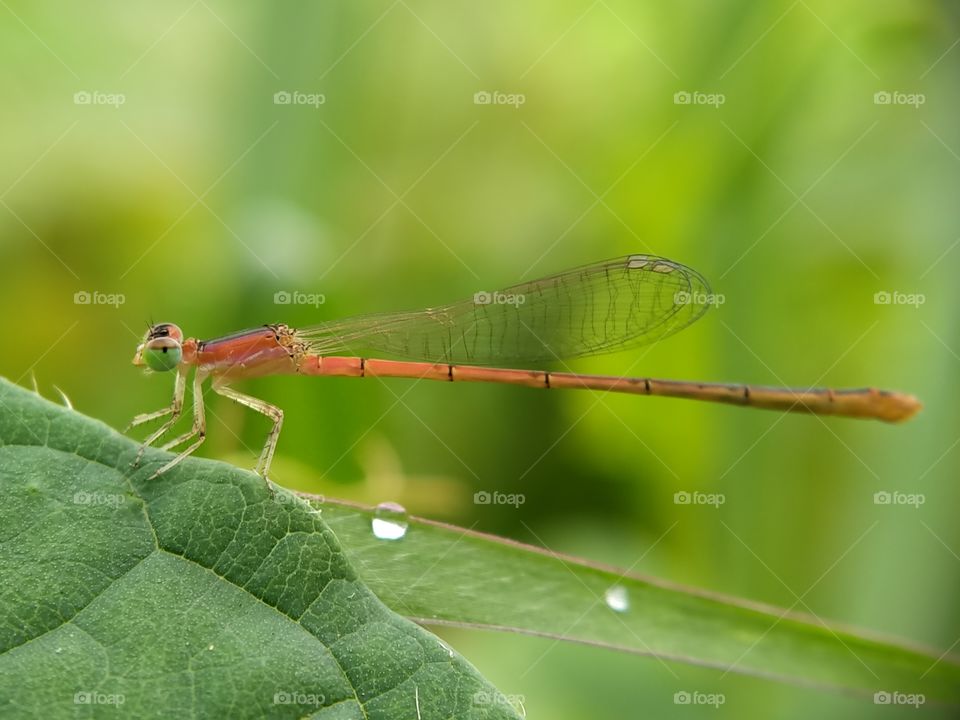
(161, 348)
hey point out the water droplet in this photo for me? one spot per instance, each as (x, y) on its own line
(617, 599)
(58, 650)
(389, 521)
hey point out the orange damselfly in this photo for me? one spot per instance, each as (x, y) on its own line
(599, 308)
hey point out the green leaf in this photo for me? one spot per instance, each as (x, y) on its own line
(447, 575)
(195, 594)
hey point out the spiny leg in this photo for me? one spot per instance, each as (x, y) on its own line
(175, 409)
(265, 408)
(199, 427)
(199, 420)
(179, 386)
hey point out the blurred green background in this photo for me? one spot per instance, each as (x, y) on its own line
(146, 154)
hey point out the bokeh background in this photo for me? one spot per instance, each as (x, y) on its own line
(804, 156)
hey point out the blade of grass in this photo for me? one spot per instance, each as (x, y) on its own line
(441, 574)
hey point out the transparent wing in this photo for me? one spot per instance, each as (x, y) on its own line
(594, 309)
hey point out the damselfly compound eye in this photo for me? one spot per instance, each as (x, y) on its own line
(162, 354)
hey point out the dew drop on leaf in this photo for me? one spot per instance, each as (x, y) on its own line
(617, 599)
(389, 521)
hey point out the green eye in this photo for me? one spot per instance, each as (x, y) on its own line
(162, 355)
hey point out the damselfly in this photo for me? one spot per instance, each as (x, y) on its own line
(600, 308)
